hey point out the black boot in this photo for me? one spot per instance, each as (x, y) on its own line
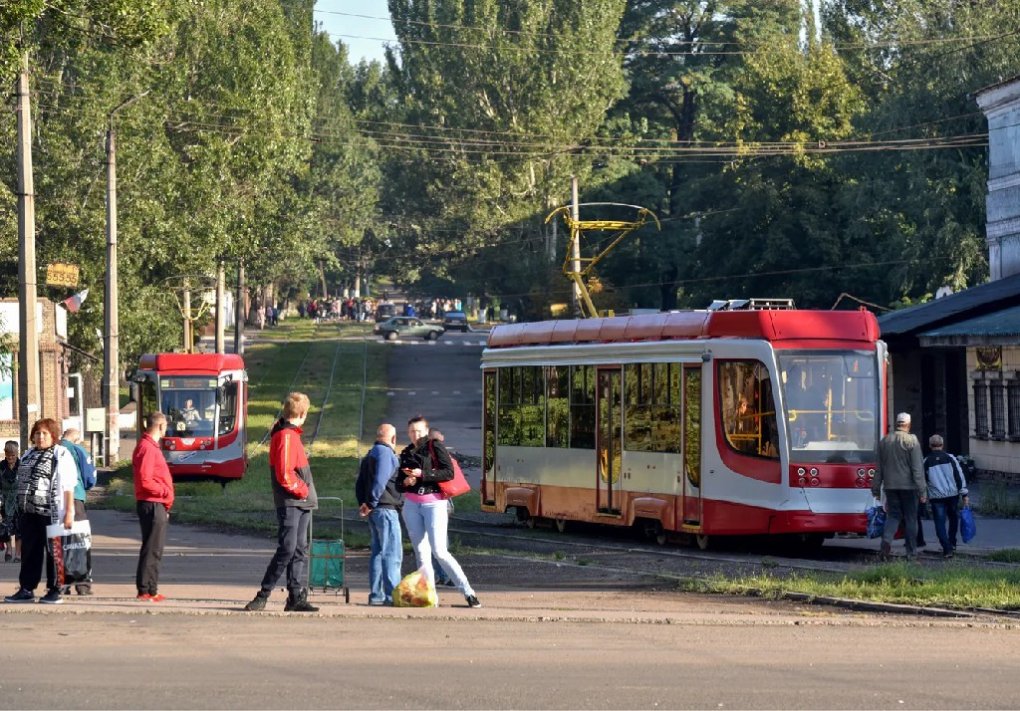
(258, 603)
(298, 602)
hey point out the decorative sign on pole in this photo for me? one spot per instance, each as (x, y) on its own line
(62, 274)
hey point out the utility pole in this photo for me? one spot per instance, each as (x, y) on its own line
(239, 311)
(575, 253)
(111, 346)
(220, 288)
(111, 319)
(28, 336)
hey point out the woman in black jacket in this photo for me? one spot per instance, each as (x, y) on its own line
(423, 464)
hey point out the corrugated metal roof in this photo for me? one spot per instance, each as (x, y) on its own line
(992, 329)
(978, 300)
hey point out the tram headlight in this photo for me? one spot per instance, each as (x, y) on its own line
(814, 471)
(860, 473)
(871, 473)
(800, 471)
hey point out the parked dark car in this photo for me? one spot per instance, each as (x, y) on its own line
(455, 321)
(384, 311)
(397, 326)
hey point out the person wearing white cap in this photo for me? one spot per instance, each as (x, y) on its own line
(901, 474)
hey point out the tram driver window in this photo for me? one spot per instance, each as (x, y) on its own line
(747, 408)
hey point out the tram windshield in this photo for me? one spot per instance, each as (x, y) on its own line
(198, 406)
(831, 405)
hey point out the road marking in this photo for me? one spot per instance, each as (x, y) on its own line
(391, 394)
(412, 393)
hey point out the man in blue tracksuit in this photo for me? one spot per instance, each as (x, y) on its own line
(945, 484)
(379, 501)
(86, 480)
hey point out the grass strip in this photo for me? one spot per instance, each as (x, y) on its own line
(952, 585)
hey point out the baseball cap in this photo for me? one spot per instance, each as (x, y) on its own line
(903, 418)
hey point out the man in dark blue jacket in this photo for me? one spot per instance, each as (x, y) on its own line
(379, 501)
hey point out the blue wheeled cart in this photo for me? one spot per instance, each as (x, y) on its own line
(327, 565)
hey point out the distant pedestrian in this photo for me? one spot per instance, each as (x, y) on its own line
(154, 493)
(86, 480)
(424, 463)
(946, 482)
(8, 500)
(901, 475)
(379, 501)
(294, 496)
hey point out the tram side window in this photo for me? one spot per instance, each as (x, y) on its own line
(531, 410)
(228, 408)
(748, 407)
(652, 396)
(489, 452)
(582, 407)
(509, 384)
(557, 382)
(522, 407)
(148, 401)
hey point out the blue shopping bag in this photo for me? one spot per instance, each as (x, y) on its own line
(968, 527)
(876, 521)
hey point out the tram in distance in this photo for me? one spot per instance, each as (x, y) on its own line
(744, 420)
(205, 399)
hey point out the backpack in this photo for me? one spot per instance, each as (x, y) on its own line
(86, 468)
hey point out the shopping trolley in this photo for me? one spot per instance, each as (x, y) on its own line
(328, 557)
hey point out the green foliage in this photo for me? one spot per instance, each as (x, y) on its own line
(504, 85)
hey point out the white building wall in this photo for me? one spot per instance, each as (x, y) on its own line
(1001, 105)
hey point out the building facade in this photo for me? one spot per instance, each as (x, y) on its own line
(53, 365)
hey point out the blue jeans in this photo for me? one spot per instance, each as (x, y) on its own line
(426, 525)
(387, 554)
(942, 509)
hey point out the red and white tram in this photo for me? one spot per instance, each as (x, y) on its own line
(710, 423)
(205, 399)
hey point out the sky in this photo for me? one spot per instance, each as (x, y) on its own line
(337, 18)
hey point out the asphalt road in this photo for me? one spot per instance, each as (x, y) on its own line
(441, 380)
(238, 661)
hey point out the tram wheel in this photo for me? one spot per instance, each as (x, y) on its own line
(704, 542)
(561, 524)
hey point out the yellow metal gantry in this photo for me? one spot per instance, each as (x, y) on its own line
(586, 265)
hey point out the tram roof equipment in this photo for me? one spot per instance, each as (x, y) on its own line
(766, 324)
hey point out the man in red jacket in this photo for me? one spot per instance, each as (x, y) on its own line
(154, 492)
(295, 499)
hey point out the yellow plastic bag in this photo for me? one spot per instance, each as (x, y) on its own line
(415, 590)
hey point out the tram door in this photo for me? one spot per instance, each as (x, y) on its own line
(609, 439)
(692, 445)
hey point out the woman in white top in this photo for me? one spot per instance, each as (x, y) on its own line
(47, 475)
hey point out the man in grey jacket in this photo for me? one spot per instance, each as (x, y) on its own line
(901, 474)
